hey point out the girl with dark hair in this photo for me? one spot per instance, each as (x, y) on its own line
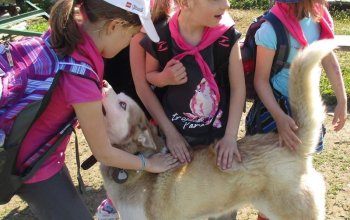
(105, 28)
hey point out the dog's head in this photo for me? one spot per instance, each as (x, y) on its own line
(126, 123)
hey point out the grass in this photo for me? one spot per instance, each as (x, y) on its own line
(38, 25)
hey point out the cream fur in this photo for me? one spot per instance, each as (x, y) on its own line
(280, 183)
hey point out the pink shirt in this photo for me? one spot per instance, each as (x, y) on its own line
(69, 90)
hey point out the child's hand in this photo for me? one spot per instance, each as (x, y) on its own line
(339, 118)
(178, 147)
(227, 151)
(174, 73)
(286, 128)
(160, 162)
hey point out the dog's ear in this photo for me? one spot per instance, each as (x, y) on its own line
(146, 139)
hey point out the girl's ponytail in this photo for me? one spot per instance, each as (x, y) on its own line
(65, 34)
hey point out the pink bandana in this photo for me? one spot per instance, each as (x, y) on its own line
(210, 35)
(284, 12)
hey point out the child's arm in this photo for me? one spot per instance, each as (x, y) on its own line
(227, 146)
(332, 68)
(96, 135)
(285, 124)
(151, 102)
(174, 73)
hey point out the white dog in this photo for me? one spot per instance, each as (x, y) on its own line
(279, 182)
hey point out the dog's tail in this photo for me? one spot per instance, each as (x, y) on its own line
(304, 94)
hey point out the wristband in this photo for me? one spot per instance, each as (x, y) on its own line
(143, 162)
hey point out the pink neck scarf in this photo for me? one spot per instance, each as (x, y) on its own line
(285, 14)
(210, 35)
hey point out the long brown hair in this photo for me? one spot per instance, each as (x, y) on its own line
(161, 10)
(307, 8)
(65, 34)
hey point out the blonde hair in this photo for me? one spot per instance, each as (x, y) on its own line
(65, 34)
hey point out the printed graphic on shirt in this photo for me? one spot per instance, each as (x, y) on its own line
(203, 105)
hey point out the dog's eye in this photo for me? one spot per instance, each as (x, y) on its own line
(122, 104)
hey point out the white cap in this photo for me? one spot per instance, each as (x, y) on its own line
(142, 9)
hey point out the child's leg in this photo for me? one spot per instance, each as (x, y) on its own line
(55, 198)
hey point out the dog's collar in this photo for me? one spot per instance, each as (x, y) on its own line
(120, 176)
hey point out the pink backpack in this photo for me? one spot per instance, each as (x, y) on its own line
(29, 70)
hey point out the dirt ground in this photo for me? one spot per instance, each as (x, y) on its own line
(333, 163)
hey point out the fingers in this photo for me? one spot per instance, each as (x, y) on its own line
(287, 135)
(178, 72)
(171, 161)
(181, 153)
(180, 76)
(280, 140)
(172, 62)
(178, 67)
(226, 154)
(290, 140)
(338, 123)
(162, 162)
(238, 155)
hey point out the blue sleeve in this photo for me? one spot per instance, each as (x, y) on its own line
(265, 36)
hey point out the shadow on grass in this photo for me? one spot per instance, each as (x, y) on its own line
(92, 199)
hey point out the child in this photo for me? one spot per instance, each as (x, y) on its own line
(305, 21)
(137, 86)
(105, 29)
(196, 109)
(152, 103)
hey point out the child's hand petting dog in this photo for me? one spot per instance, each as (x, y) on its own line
(161, 162)
(227, 153)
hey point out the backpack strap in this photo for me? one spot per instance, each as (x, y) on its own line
(283, 44)
(70, 65)
(81, 69)
(32, 164)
